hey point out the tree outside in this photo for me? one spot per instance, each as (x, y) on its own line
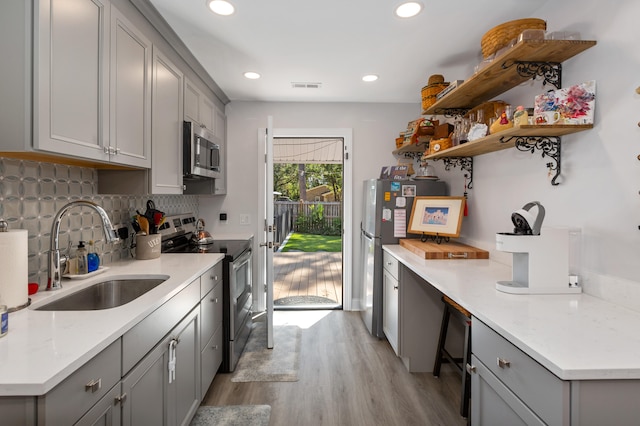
(292, 180)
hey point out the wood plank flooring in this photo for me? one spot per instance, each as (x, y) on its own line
(308, 274)
(346, 377)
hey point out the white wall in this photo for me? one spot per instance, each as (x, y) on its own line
(600, 172)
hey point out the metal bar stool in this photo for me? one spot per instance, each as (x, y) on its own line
(443, 356)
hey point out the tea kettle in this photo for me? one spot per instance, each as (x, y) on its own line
(200, 236)
(524, 222)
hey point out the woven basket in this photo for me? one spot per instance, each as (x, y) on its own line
(491, 109)
(438, 145)
(500, 36)
(430, 92)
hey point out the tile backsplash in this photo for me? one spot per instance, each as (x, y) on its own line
(31, 193)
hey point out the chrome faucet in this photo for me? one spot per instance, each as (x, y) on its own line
(55, 260)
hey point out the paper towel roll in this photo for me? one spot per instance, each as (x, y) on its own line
(14, 268)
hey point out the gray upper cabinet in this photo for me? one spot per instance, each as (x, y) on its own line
(198, 107)
(166, 169)
(71, 103)
(79, 82)
(130, 96)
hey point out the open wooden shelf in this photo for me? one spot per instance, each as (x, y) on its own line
(495, 142)
(501, 75)
(412, 148)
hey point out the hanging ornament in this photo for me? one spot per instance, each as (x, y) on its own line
(466, 204)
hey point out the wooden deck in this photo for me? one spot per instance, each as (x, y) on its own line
(307, 278)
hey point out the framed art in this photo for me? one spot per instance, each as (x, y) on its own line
(438, 216)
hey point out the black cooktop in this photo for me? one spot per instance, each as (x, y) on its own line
(231, 248)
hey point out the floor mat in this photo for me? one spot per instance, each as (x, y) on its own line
(232, 415)
(280, 364)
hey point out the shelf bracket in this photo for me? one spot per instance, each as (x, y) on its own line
(551, 72)
(549, 145)
(465, 164)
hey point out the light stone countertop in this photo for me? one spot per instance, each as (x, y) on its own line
(42, 348)
(575, 336)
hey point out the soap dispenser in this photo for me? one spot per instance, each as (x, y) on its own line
(93, 260)
(81, 254)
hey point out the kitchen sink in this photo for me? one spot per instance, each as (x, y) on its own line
(105, 294)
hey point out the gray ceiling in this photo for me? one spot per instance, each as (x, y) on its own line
(335, 43)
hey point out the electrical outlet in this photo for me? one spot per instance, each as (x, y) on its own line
(244, 219)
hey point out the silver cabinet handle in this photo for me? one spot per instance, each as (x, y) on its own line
(460, 256)
(503, 363)
(120, 398)
(471, 368)
(93, 386)
(395, 287)
(214, 299)
(213, 277)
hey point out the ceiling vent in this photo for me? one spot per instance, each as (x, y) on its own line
(306, 85)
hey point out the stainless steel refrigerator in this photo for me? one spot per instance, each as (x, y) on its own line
(386, 205)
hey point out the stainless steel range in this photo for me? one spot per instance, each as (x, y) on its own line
(177, 237)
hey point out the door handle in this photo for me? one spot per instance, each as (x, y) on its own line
(269, 244)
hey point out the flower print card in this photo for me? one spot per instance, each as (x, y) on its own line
(571, 105)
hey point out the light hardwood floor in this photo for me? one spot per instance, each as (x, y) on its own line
(346, 377)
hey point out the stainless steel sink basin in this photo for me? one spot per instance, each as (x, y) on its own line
(104, 295)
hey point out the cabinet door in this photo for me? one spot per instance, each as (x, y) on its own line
(166, 168)
(191, 102)
(71, 105)
(106, 412)
(145, 388)
(390, 323)
(184, 390)
(130, 94)
(493, 404)
(207, 113)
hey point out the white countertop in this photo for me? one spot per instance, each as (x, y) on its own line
(44, 347)
(576, 337)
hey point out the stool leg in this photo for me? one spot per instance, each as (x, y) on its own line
(466, 377)
(441, 341)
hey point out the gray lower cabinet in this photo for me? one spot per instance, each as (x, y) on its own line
(106, 412)
(509, 385)
(153, 395)
(509, 388)
(391, 299)
(155, 374)
(211, 325)
(85, 387)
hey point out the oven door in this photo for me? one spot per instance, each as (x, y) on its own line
(240, 283)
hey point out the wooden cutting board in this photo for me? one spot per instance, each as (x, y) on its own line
(450, 250)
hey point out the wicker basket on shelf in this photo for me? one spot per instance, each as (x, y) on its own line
(435, 85)
(500, 36)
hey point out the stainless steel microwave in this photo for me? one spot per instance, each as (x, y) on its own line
(201, 154)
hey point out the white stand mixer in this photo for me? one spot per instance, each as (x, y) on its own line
(540, 256)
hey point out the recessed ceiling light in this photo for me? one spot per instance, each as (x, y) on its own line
(409, 9)
(221, 7)
(369, 78)
(252, 75)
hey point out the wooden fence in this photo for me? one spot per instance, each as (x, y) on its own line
(287, 212)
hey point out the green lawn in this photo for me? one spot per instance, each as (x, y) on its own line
(311, 243)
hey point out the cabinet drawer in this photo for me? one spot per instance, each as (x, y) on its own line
(537, 387)
(210, 314)
(68, 401)
(210, 279)
(211, 358)
(390, 263)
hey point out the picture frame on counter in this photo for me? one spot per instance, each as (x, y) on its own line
(440, 216)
